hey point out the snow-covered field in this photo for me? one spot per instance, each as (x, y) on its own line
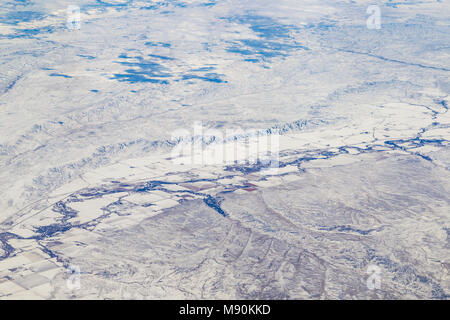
(291, 149)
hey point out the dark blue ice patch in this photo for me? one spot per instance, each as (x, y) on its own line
(30, 33)
(24, 2)
(59, 75)
(208, 4)
(158, 44)
(160, 57)
(274, 39)
(144, 70)
(16, 17)
(150, 7)
(51, 230)
(321, 26)
(209, 77)
(417, 142)
(405, 3)
(179, 4)
(86, 56)
(134, 77)
(202, 69)
(264, 27)
(163, 4)
(348, 229)
(103, 5)
(114, 4)
(213, 203)
(62, 208)
(263, 49)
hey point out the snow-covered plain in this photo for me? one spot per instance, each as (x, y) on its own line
(89, 121)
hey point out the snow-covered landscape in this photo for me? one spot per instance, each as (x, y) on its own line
(224, 149)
